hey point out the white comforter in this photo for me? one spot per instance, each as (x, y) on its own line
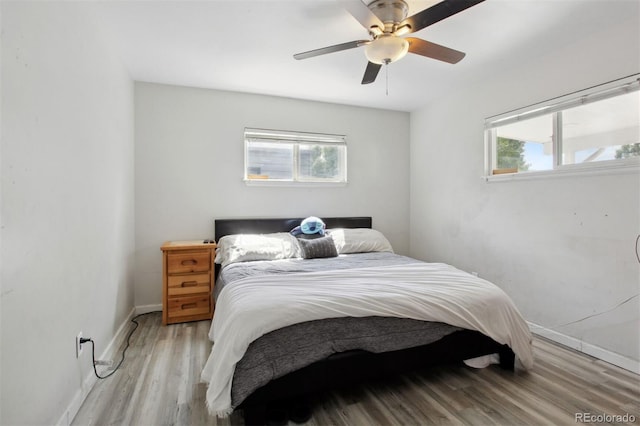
(254, 306)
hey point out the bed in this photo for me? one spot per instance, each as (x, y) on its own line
(284, 327)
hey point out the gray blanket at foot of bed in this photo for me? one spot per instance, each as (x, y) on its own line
(291, 348)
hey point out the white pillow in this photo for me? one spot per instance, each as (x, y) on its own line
(246, 247)
(359, 240)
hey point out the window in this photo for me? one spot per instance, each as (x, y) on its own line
(294, 157)
(596, 128)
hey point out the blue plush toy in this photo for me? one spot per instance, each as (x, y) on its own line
(310, 225)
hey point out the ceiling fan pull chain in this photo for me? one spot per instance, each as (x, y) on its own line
(386, 74)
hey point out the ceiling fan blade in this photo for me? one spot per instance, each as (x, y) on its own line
(331, 49)
(371, 73)
(434, 51)
(363, 14)
(437, 13)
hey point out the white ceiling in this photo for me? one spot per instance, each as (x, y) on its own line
(248, 46)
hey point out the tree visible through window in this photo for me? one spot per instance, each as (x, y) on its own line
(511, 154)
(628, 151)
(324, 161)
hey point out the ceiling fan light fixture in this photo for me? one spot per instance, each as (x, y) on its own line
(386, 49)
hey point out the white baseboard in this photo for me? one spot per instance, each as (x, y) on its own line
(145, 309)
(89, 381)
(587, 348)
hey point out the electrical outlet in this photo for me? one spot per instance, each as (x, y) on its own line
(78, 345)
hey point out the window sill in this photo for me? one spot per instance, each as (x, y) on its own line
(614, 167)
(287, 183)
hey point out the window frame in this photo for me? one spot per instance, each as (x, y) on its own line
(296, 139)
(555, 107)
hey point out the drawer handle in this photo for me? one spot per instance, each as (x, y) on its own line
(189, 262)
(188, 305)
(189, 283)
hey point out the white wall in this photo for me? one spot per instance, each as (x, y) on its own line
(67, 210)
(189, 168)
(562, 248)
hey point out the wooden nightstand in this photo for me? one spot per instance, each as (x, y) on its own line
(187, 281)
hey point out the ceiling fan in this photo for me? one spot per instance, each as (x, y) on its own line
(387, 22)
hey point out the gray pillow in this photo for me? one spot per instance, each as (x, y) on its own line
(319, 247)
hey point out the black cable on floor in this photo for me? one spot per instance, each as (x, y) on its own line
(124, 351)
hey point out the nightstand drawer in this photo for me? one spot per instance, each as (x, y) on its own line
(181, 285)
(196, 261)
(186, 306)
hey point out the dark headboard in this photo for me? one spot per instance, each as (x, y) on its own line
(265, 226)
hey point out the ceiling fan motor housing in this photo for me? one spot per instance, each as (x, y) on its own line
(389, 11)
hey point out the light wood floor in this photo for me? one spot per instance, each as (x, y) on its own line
(158, 384)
